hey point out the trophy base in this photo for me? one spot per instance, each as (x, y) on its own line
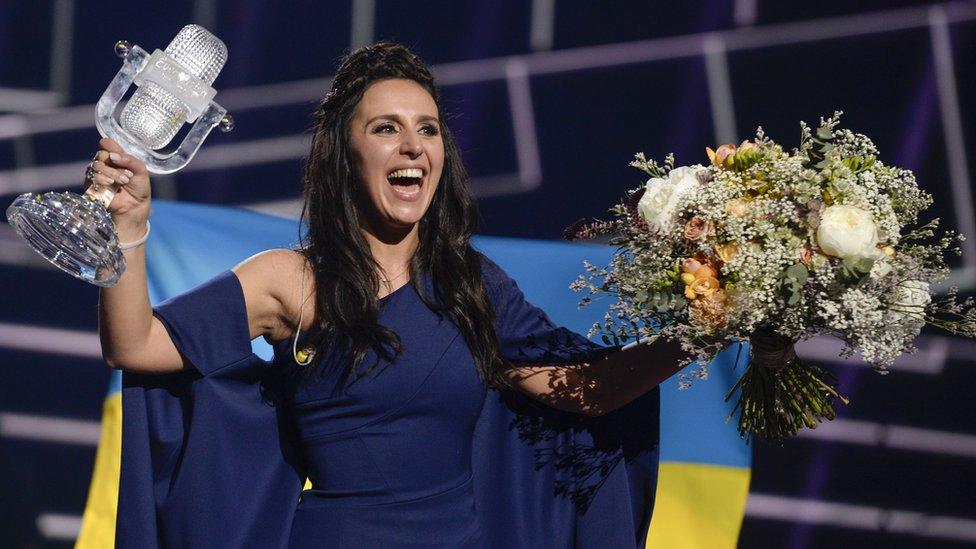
(73, 232)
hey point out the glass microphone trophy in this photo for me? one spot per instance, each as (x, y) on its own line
(75, 232)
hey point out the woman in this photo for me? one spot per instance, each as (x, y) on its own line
(403, 326)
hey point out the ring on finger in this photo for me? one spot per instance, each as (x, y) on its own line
(91, 171)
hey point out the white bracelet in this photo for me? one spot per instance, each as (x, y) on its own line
(129, 245)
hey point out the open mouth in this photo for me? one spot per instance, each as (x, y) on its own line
(406, 182)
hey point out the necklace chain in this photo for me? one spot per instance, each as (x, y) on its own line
(387, 280)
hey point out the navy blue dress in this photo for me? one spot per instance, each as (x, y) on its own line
(417, 453)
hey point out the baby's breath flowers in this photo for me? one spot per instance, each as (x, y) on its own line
(772, 247)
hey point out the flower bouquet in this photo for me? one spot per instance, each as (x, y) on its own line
(773, 247)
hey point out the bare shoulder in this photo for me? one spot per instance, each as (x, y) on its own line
(270, 281)
(269, 264)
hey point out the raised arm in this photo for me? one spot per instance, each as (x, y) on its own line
(131, 338)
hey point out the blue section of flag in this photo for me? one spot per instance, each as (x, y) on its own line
(115, 382)
(693, 420)
(544, 271)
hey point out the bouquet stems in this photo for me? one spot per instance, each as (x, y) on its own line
(777, 401)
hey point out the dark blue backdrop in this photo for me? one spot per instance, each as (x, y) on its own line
(550, 99)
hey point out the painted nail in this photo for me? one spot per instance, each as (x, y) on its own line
(123, 179)
(115, 156)
(128, 173)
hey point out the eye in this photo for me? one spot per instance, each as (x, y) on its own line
(386, 127)
(430, 130)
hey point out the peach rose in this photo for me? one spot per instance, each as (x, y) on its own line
(698, 229)
(725, 153)
(690, 265)
(704, 286)
(707, 270)
(697, 268)
(700, 277)
(806, 256)
(718, 156)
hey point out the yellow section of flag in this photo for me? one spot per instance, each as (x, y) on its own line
(698, 506)
(98, 523)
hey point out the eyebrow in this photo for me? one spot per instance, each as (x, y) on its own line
(398, 118)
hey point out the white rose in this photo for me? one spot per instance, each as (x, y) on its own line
(658, 206)
(911, 297)
(847, 232)
(654, 202)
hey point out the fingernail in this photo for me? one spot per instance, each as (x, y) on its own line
(128, 173)
(123, 179)
(115, 156)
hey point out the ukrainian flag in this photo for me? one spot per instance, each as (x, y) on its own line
(704, 472)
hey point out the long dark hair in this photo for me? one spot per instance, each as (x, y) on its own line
(346, 278)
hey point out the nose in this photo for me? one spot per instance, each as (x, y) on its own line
(410, 145)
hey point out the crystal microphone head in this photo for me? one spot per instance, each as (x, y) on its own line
(154, 115)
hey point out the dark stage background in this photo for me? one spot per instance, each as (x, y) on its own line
(550, 99)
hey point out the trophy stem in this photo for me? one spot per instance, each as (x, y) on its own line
(103, 195)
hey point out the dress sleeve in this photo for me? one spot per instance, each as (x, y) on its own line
(209, 456)
(208, 323)
(526, 335)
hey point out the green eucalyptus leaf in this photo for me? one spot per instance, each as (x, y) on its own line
(798, 271)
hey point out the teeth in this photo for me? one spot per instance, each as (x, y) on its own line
(408, 172)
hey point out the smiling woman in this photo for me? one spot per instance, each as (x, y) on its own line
(373, 225)
(402, 410)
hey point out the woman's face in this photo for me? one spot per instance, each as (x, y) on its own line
(397, 151)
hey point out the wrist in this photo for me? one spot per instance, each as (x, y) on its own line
(133, 244)
(130, 225)
(139, 212)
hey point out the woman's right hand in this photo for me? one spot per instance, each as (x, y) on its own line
(127, 175)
